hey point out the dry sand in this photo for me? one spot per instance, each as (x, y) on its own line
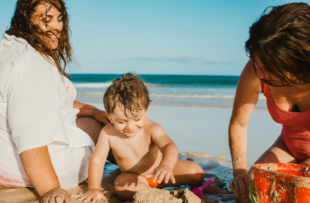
(205, 130)
(28, 195)
(200, 132)
(165, 196)
(174, 195)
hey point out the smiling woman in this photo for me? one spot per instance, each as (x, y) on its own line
(50, 24)
(46, 136)
(39, 23)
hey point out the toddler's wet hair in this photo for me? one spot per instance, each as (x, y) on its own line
(130, 92)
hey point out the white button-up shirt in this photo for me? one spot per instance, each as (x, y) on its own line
(36, 109)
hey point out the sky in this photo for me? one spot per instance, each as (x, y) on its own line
(186, 37)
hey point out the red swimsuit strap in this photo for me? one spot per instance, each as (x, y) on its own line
(263, 86)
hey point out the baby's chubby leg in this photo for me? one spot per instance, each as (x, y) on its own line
(185, 173)
(189, 173)
(127, 184)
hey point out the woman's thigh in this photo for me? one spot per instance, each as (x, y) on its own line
(90, 126)
(277, 153)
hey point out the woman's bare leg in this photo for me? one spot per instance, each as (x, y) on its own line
(277, 153)
(93, 129)
(90, 126)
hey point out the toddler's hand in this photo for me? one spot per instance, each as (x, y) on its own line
(91, 195)
(162, 173)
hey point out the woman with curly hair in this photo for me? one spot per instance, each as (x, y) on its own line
(279, 67)
(46, 138)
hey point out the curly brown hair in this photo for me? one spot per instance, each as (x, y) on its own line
(281, 40)
(22, 26)
(129, 91)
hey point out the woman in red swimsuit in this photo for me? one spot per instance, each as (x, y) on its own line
(279, 67)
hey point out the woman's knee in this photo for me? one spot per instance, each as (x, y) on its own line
(277, 153)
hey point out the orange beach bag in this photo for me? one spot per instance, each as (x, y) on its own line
(280, 183)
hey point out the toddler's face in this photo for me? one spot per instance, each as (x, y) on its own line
(128, 126)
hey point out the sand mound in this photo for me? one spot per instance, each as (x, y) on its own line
(196, 154)
(152, 195)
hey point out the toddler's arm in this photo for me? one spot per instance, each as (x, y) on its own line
(170, 154)
(95, 170)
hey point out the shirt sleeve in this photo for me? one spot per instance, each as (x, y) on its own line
(34, 102)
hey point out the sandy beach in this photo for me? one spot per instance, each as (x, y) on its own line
(195, 58)
(194, 130)
(205, 130)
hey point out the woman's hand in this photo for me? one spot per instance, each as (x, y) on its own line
(91, 195)
(102, 117)
(241, 184)
(56, 195)
(91, 111)
(162, 173)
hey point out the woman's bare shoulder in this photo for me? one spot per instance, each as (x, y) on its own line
(248, 78)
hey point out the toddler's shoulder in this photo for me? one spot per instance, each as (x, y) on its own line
(109, 129)
(154, 128)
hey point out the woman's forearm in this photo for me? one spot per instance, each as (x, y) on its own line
(38, 166)
(238, 147)
(85, 109)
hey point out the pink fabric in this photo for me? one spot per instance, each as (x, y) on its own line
(7, 182)
(296, 126)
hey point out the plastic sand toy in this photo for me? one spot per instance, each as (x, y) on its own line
(198, 190)
(280, 183)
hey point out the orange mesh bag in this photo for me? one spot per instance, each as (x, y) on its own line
(280, 183)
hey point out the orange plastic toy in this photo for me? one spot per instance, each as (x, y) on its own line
(280, 183)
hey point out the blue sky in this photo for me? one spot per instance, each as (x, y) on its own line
(197, 37)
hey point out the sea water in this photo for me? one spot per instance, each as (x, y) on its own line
(169, 90)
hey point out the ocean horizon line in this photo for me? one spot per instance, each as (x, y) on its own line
(154, 74)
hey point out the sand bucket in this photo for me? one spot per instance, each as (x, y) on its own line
(280, 183)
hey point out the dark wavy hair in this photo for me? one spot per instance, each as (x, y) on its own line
(22, 26)
(281, 40)
(129, 91)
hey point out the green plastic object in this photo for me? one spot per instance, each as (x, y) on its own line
(221, 185)
(252, 192)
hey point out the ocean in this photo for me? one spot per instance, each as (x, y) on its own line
(168, 90)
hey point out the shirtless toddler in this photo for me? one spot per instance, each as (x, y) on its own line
(147, 157)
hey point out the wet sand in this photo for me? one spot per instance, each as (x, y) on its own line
(202, 130)
(205, 130)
